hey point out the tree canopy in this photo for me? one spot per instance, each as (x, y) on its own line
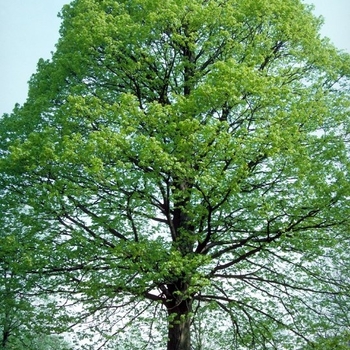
(180, 171)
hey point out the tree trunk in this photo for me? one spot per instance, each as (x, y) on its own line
(6, 331)
(179, 334)
(5, 338)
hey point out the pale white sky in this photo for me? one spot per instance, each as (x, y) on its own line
(29, 31)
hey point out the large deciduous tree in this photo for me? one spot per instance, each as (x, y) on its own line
(185, 167)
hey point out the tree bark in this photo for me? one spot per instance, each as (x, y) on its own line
(179, 333)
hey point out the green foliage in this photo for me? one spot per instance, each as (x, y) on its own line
(38, 342)
(184, 159)
(335, 342)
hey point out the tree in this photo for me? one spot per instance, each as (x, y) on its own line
(187, 162)
(21, 312)
(38, 342)
(339, 342)
(16, 311)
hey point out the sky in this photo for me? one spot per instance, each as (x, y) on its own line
(29, 30)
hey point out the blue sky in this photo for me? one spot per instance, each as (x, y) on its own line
(29, 31)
